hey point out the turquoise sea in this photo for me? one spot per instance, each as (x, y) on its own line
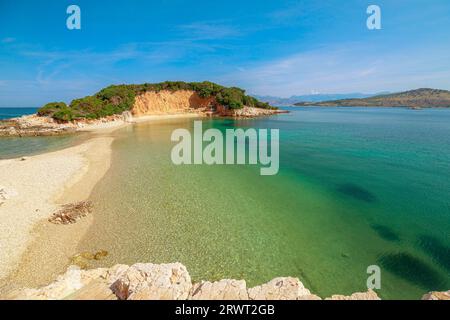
(6, 113)
(13, 147)
(356, 187)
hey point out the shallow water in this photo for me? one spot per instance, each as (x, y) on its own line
(14, 147)
(356, 187)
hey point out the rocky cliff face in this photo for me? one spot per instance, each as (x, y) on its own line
(165, 281)
(166, 102)
(182, 101)
(149, 103)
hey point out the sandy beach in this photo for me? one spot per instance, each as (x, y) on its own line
(33, 188)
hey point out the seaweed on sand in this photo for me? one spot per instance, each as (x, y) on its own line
(70, 213)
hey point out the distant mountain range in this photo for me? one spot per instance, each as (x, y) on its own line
(277, 101)
(419, 98)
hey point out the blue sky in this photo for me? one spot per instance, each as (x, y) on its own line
(279, 48)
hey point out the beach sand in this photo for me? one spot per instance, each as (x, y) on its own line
(32, 250)
(36, 187)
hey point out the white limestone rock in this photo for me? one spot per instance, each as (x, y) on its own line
(435, 295)
(127, 116)
(64, 285)
(369, 295)
(219, 290)
(153, 282)
(287, 288)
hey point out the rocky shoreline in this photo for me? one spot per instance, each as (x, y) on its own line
(148, 103)
(165, 282)
(34, 125)
(28, 126)
(146, 281)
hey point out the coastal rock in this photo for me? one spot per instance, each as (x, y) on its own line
(114, 273)
(75, 283)
(172, 282)
(219, 290)
(166, 102)
(127, 116)
(153, 282)
(247, 112)
(369, 295)
(309, 297)
(435, 295)
(279, 289)
(12, 131)
(63, 286)
(95, 290)
(34, 125)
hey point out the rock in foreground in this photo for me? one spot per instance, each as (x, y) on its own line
(219, 290)
(279, 289)
(369, 295)
(153, 282)
(435, 295)
(147, 281)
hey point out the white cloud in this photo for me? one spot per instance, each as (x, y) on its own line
(345, 68)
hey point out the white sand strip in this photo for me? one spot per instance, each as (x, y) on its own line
(31, 189)
(35, 188)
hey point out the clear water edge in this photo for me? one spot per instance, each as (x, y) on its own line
(353, 191)
(356, 187)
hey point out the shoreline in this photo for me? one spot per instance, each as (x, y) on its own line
(171, 281)
(41, 184)
(37, 187)
(35, 125)
(67, 236)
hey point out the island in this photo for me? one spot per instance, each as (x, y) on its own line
(415, 99)
(122, 103)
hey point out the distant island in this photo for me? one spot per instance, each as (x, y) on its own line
(419, 98)
(314, 97)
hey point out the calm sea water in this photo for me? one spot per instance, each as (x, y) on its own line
(12, 147)
(6, 113)
(356, 187)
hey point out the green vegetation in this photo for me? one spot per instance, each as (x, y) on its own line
(51, 108)
(116, 99)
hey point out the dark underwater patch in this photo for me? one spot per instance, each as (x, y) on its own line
(385, 232)
(356, 192)
(412, 270)
(435, 249)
